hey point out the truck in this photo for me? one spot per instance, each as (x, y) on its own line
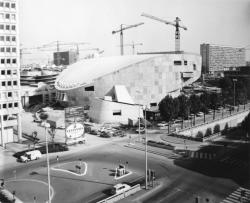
(31, 155)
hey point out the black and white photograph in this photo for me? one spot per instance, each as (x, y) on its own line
(127, 101)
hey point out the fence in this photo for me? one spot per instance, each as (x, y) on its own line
(117, 197)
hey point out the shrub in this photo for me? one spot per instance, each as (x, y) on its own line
(216, 128)
(199, 134)
(208, 132)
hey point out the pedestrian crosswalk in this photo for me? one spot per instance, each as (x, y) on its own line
(201, 155)
(241, 195)
(234, 162)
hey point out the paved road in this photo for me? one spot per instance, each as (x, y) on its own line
(182, 183)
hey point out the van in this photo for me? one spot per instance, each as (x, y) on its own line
(31, 155)
(119, 188)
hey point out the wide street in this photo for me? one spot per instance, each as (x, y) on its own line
(180, 182)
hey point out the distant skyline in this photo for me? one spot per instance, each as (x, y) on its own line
(222, 22)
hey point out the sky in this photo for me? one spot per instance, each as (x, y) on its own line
(222, 22)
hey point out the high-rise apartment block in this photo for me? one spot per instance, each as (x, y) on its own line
(9, 73)
(215, 58)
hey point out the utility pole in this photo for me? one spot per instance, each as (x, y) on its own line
(122, 28)
(234, 81)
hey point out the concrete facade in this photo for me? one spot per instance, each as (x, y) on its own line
(10, 76)
(147, 78)
(215, 58)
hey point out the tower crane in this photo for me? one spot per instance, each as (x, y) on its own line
(133, 45)
(121, 33)
(176, 24)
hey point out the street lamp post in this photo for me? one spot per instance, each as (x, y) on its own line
(146, 150)
(47, 125)
(139, 130)
(234, 80)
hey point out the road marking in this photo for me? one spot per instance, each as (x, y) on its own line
(34, 180)
(67, 171)
(235, 197)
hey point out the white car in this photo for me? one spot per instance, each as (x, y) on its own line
(31, 155)
(120, 188)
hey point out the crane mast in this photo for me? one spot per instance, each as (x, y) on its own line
(176, 24)
(122, 28)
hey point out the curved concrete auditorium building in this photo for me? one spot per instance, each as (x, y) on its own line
(115, 87)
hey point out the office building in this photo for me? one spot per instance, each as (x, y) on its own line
(65, 57)
(216, 58)
(10, 76)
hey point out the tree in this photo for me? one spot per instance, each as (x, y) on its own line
(208, 132)
(167, 109)
(204, 100)
(52, 132)
(195, 104)
(184, 106)
(216, 128)
(214, 102)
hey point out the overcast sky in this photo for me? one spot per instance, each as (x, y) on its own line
(223, 22)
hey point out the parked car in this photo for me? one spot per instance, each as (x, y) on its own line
(79, 140)
(119, 188)
(31, 155)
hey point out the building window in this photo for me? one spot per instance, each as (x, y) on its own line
(15, 82)
(178, 63)
(7, 5)
(13, 49)
(13, 17)
(13, 61)
(8, 49)
(8, 72)
(2, 72)
(14, 72)
(2, 61)
(13, 5)
(9, 83)
(153, 104)
(2, 49)
(13, 27)
(13, 39)
(1, 26)
(90, 88)
(10, 105)
(4, 106)
(117, 113)
(16, 104)
(8, 61)
(7, 16)
(1, 4)
(7, 27)
(9, 94)
(8, 38)
(3, 83)
(5, 117)
(194, 66)
(185, 63)
(1, 38)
